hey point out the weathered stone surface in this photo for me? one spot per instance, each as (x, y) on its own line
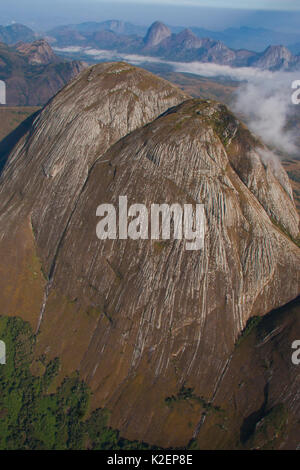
(38, 52)
(156, 34)
(139, 319)
(52, 162)
(259, 390)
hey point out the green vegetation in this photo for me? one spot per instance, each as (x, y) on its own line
(31, 417)
(15, 122)
(189, 395)
(251, 324)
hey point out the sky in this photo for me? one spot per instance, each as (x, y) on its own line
(213, 14)
(248, 4)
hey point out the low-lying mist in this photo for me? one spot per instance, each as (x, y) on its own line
(263, 100)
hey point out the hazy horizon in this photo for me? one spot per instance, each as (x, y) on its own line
(222, 15)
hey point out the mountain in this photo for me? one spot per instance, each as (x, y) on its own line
(254, 39)
(64, 34)
(155, 330)
(111, 41)
(156, 34)
(184, 46)
(16, 32)
(33, 73)
(276, 58)
(116, 26)
(37, 53)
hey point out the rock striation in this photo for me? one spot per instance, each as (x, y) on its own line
(141, 320)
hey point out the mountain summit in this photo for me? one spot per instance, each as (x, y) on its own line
(156, 34)
(38, 52)
(33, 73)
(276, 58)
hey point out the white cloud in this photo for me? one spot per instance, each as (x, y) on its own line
(267, 106)
(264, 97)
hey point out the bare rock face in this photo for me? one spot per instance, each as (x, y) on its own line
(113, 99)
(188, 40)
(141, 319)
(173, 316)
(259, 169)
(156, 34)
(276, 58)
(37, 52)
(259, 391)
(186, 46)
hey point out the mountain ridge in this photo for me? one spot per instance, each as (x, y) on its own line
(33, 73)
(175, 43)
(16, 32)
(256, 39)
(184, 46)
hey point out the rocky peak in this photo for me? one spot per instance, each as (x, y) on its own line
(278, 52)
(188, 39)
(37, 52)
(156, 34)
(104, 103)
(275, 58)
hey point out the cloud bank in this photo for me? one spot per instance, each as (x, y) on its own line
(267, 106)
(263, 98)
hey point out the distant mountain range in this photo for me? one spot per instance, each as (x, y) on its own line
(16, 32)
(184, 46)
(33, 73)
(174, 44)
(256, 39)
(90, 27)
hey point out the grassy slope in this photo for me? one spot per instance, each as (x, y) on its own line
(12, 117)
(15, 121)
